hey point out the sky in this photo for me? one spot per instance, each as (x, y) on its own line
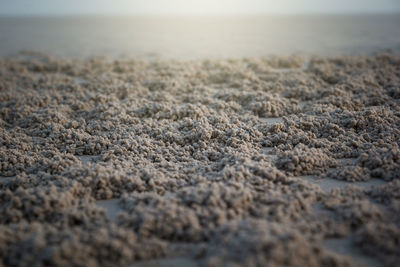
(193, 7)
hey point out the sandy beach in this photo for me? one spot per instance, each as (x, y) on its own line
(261, 161)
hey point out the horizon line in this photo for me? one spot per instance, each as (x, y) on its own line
(194, 14)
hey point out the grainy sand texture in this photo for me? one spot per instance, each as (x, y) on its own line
(278, 161)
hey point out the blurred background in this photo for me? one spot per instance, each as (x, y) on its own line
(189, 29)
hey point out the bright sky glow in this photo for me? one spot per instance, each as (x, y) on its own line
(189, 7)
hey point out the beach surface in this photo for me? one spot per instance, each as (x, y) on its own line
(263, 161)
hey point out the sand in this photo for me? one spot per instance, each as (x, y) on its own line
(278, 161)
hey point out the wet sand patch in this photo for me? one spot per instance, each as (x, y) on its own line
(112, 208)
(344, 246)
(327, 184)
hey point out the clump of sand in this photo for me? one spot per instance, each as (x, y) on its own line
(206, 158)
